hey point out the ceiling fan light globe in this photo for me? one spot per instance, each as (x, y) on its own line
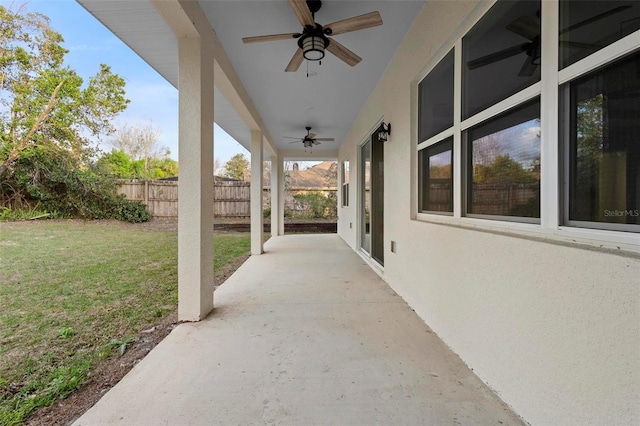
(313, 48)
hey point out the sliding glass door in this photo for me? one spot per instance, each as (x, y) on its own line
(365, 195)
(372, 198)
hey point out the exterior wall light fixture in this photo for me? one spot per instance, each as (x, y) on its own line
(384, 132)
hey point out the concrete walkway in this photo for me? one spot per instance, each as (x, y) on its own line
(306, 334)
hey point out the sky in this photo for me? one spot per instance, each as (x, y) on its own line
(153, 99)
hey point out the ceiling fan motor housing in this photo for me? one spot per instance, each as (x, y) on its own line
(313, 42)
(314, 5)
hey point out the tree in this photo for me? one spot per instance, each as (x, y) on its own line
(163, 167)
(43, 102)
(140, 143)
(119, 164)
(116, 163)
(236, 167)
(47, 115)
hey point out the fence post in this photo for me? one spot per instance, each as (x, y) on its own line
(146, 193)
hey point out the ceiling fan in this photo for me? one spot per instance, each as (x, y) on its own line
(314, 38)
(529, 28)
(310, 139)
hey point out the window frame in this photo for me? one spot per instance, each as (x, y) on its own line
(468, 167)
(344, 179)
(449, 55)
(565, 169)
(421, 175)
(552, 226)
(466, 114)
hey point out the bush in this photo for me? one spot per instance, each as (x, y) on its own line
(316, 205)
(131, 211)
(7, 214)
(59, 182)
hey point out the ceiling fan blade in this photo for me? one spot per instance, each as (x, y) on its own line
(368, 20)
(343, 53)
(528, 68)
(497, 56)
(526, 26)
(316, 143)
(325, 139)
(594, 18)
(311, 135)
(272, 37)
(301, 9)
(295, 61)
(291, 137)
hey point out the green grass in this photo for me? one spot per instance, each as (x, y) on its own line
(73, 293)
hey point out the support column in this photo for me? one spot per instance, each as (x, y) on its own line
(275, 196)
(195, 205)
(257, 231)
(281, 196)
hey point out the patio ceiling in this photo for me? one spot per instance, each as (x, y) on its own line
(328, 100)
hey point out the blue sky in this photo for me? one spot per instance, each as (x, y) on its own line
(152, 98)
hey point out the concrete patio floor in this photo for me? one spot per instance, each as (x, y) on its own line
(304, 334)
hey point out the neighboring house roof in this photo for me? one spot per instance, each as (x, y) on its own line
(322, 175)
(319, 176)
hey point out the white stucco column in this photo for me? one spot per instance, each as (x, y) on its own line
(257, 231)
(275, 196)
(281, 196)
(195, 204)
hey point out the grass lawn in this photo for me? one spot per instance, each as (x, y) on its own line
(73, 293)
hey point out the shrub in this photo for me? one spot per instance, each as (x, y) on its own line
(8, 214)
(316, 205)
(131, 211)
(61, 183)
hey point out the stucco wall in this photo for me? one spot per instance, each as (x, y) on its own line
(553, 327)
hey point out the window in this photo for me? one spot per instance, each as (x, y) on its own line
(603, 149)
(503, 167)
(436, 99)
(436, 177)
(482, 151)
(435, 106)
(501, 54)
(588, 26)
(345, 184)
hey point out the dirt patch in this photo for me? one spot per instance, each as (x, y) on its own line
(103, 377)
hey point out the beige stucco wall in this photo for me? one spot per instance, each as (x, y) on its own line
(553, 327)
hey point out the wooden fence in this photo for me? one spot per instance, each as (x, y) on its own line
(160, 197)
(230, 198)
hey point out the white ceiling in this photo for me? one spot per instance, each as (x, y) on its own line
(328, 100)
